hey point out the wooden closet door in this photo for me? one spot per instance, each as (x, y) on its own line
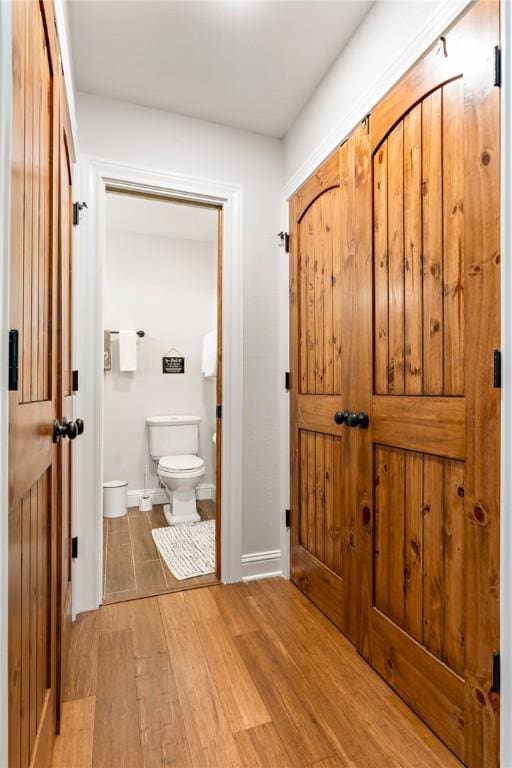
(33, 458)
(322, 533)
(430, 551)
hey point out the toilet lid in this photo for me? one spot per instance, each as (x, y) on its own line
(181, 463)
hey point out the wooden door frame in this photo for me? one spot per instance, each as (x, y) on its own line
(5, 214)
(95, 176)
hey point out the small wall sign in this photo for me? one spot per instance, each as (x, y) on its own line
(173, 364)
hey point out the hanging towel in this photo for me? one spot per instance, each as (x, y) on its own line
(209, 365)
(127, 351)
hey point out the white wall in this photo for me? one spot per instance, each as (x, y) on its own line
(375, 58)
(168, 288)
(162, 141)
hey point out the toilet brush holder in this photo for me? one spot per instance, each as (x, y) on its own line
(145, 504)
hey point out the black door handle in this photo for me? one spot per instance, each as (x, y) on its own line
(360, 419)
(79, 426)
(340, 417)
(66, 429)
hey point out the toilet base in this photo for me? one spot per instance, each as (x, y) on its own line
(181, 512)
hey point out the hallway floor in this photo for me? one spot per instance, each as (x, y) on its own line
(132, 565)
(248, 675)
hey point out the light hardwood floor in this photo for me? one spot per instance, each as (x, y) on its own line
(247, 675)
(132, 566)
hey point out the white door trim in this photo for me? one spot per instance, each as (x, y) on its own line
(94, 174)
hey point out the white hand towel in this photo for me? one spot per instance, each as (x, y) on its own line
(209, 364)
(127, 351)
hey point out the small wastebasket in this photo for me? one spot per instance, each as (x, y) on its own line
(115, 498)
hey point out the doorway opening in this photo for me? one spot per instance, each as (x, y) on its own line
(162, 390)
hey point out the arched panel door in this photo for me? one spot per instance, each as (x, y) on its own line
(325, 354)
(430, 552)
(322, 557)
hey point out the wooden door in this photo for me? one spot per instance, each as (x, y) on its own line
(322, 527)
(39, 482)
(65, 378)
(429, 597)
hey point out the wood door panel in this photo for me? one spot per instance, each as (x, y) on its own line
(30, 663)
(319, 309)
(321, 523)
(419, 521)
(441, 703)
(418, 247)
(431, 425)
(35, 328)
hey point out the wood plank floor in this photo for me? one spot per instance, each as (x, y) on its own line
(247, 675)
(132, 566)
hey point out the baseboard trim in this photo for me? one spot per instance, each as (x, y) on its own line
(204, 491)
(261, 565)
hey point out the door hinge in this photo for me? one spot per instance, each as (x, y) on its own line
(218, 411)
(496, 356)
(497, 66)
(496, 673)
(285, 240)
(77, 208)
(287, 517)
(74, 382)
(74, 547)
(13, 360)
(287, 380)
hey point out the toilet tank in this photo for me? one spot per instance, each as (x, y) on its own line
(173, 435)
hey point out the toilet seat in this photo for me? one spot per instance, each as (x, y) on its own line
(185, 464)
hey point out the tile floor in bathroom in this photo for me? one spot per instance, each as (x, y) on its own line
(132, 566)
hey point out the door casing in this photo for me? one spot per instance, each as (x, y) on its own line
(94, 177)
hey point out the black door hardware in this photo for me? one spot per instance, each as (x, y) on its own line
(13, 360)
(285, 240)
(67, 429)
(352, 419)
(358, 420)
(340, 417)
(74, 547)
(77, 208)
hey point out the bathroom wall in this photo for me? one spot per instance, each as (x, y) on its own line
(119, 131)
(168, 288)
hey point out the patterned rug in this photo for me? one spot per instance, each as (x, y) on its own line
(188, 549)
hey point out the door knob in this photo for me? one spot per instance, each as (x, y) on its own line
(66, 429)
(358, 419)
(79, 426)
(340, 417)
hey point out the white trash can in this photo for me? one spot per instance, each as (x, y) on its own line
(115, 498)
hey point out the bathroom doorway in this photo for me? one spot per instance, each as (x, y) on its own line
(162, 394)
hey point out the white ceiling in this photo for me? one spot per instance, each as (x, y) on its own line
(250, 64)
(132, 213)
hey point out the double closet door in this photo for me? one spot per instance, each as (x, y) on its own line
(394, 297)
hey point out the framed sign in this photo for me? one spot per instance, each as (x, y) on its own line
(173, 364)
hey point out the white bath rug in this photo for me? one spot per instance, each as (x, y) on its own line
(188, 549)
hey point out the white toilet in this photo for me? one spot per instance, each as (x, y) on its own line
(174, 442)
